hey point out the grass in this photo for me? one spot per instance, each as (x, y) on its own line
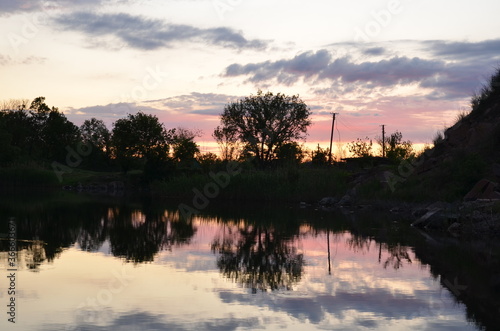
(21, 176)
(281, 185)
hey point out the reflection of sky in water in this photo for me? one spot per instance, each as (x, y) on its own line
(184, 290)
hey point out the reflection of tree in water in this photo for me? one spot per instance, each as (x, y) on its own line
(35, 255)
(359, 243)
(31, 253)
(94, 232)
(258, 258)
(398, 254)
(138, 235)
(135, 234)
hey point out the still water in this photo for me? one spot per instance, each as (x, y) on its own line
(87, 263)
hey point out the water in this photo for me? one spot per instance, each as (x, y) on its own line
(99, 264)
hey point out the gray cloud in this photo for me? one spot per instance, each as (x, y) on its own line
(452, 70)
(196, 103)
(380, 302)
(304, 65)
(489, 49)
(9, 7)
(374, 51)
(149, 34)
(138, 320)
(397, 70)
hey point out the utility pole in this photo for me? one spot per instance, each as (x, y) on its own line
(383, 140)
(331, 140)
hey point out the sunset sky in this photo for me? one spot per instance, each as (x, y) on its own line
(409, 64)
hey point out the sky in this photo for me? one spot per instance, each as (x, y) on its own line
(411, 65)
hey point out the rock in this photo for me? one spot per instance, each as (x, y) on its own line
(425, 219)
(419, 212)
(345, 201)
(436, 219)
(397, 210)
(304, 204)
(483, 190)
(327, 201)
(455, 228)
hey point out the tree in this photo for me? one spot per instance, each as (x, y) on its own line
(208, 161)
(396, 149)
(289, 153)
(264, 122)
(139, 137)
(319, 156)
(96, 135)
(227, 141)
(95, 132)
(57, 133)
(360, 147)
(184, 147)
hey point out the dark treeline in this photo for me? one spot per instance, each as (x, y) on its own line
(36, 134)
(260, 132)
(33, 134)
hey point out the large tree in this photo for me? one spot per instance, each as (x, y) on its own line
(139, 137)
(264, 122)
(40, 132)
(97, 137)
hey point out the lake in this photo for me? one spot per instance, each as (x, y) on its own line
(105, 263)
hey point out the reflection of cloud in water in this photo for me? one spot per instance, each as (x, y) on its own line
(144, 321)
(367, 309)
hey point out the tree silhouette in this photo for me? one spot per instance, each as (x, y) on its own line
(38, 133)
(258, 258)
(396, 148)
(264, 122)
(138, 139)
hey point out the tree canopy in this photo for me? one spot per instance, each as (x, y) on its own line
(264, 122)
(139, 137)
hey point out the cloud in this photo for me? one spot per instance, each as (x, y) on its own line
(341, 305)
(150, 34)
(449, 70)
(195, 103)
(374, 51)
(139, 320)
(7, 60)
(7, 7)
(396, 70)
(10, 7)
(487, 49)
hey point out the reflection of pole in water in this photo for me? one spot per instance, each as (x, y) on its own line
(380, 252)
(328, 243)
